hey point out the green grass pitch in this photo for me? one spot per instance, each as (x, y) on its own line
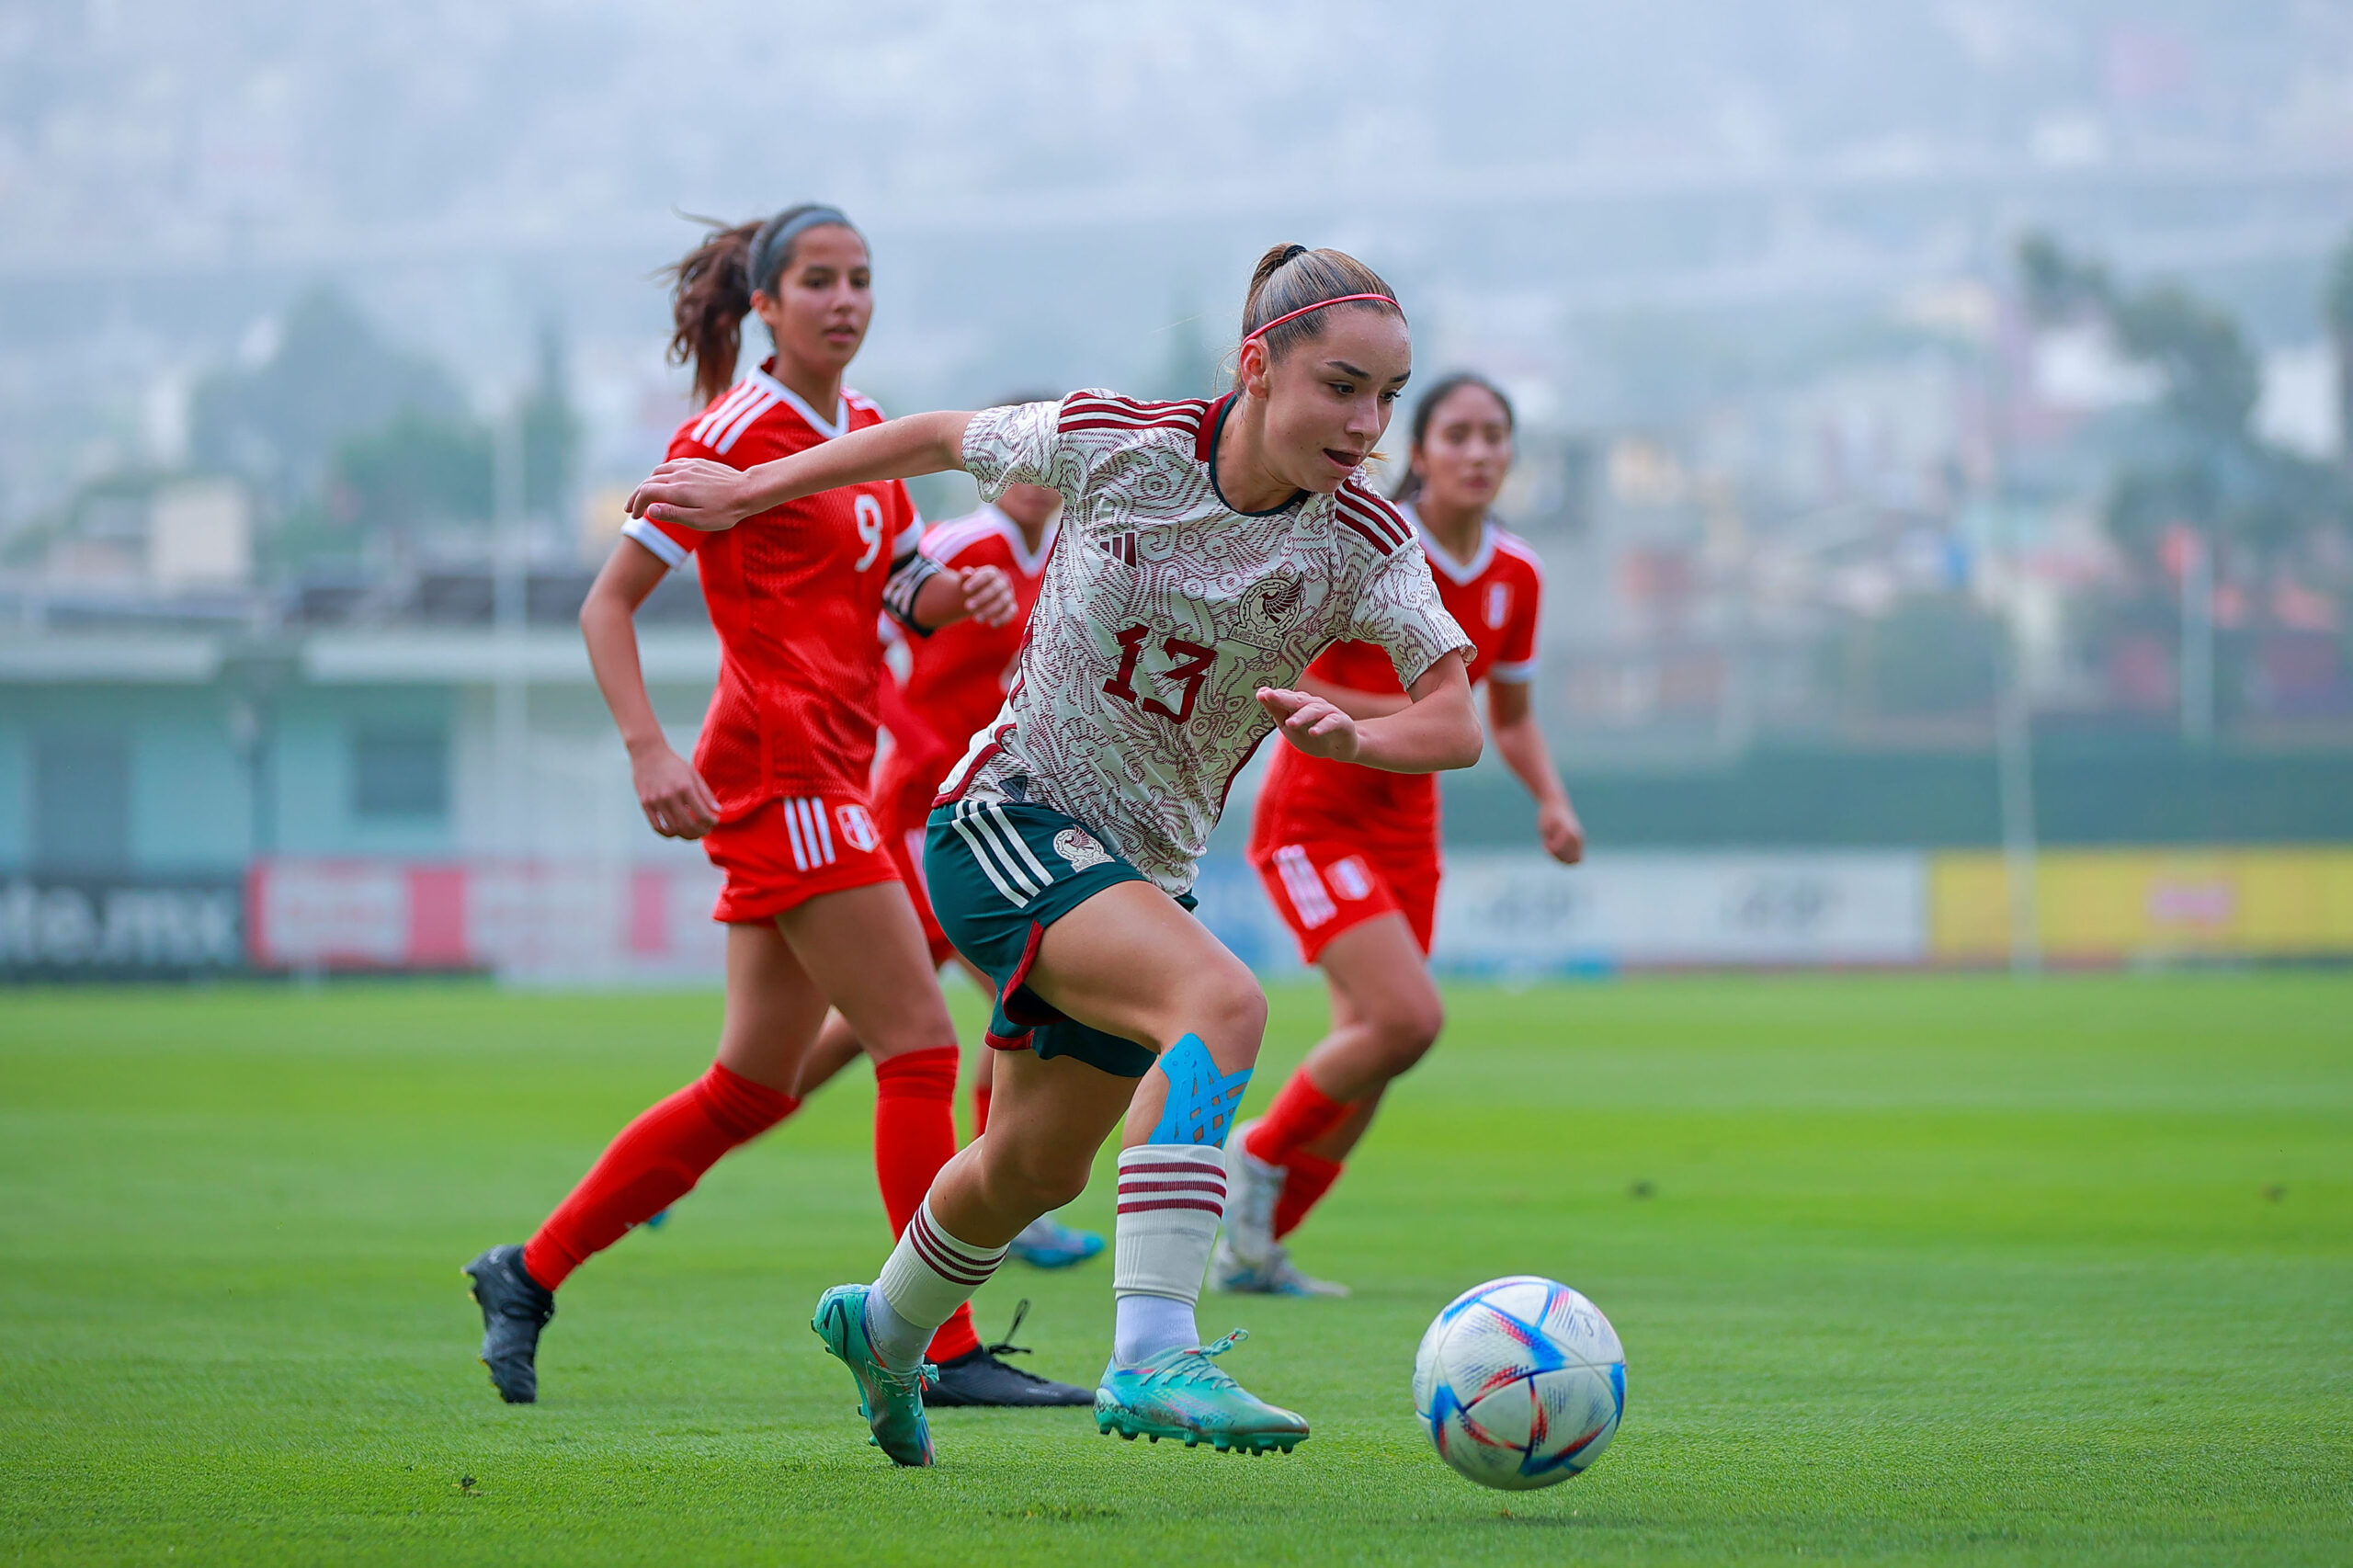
(1908, 1269)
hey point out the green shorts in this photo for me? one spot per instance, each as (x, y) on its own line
(998, 875)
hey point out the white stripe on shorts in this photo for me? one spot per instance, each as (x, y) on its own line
(962, 822)
(994, 830)
(1005, 824)
(792, 831)
(1314, 905)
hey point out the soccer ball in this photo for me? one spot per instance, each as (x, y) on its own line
(1521, 1382)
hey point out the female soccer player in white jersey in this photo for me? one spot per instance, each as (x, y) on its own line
(1350, 857)
(1209, 552)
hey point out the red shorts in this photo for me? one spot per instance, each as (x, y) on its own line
(905, 845)
(1323, 887)
(787, 852)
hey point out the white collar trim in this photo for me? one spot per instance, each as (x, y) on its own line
(828, 429)
(1463, 573)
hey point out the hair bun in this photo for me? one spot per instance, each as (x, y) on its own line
(1290, 252)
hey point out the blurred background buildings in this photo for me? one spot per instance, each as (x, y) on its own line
(1909, 392)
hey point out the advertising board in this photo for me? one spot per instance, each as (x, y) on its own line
(73, 928)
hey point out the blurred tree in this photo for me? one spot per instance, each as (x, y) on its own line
(2211, 378)
(413, 472)
(2060, 287)
(2194, 459)
(277, 423)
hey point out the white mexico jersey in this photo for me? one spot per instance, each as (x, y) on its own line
(1163, 612)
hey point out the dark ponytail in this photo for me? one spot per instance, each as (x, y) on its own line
(708, 300)
(712, 287)
(1426, 411)
(1291, 278)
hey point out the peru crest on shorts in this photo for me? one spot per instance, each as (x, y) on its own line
(857, 827)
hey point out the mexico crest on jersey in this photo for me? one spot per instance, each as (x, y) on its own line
(1272, 603)
(1080, 848)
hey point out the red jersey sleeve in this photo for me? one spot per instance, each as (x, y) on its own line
(670, 543)
(1516, 658)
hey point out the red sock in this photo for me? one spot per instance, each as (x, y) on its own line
(1306, 1178)
(915, 1134)
(655, 1161)
(979, 1108)
(1302, 1113)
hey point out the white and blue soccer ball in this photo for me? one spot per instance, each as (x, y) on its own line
(1521, 1382)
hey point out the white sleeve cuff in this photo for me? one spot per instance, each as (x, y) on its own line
(666, 549)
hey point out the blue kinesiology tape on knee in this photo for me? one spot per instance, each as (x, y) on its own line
(1201, 1101)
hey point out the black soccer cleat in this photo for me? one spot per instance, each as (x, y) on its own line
(983, 1376)
(979, 1378)
(515, 1307)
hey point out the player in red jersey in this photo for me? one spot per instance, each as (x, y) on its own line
(815, 910)
(1350, 855)
(955, 683)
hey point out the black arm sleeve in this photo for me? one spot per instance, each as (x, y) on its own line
(909, 573)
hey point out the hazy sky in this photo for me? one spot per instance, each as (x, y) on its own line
(154, 129)
(1055, 187)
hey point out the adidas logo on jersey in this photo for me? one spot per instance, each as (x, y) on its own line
(1120, 547)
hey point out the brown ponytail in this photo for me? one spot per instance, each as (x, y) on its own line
(1291, 278)
(713, 287)
(710, 297)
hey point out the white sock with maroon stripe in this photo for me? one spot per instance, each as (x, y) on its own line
(928, 1276)
(1171, 1198)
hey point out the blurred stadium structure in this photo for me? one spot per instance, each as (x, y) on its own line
(1934, 426)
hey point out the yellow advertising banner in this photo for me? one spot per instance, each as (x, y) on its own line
(2107, 905)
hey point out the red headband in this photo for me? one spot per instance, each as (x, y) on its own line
(1342, 300)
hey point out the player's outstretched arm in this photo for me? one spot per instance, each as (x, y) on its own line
(696, 492)
(1436, 731)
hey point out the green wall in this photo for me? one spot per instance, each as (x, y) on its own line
(2085, 792)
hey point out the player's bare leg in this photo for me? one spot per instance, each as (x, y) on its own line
(1045, 1242)
(774, 1007)
(1045, 1127)
(1385, 1014)
(1133, 964)
(868, 955)
(837, 1046)
(1129, 962)
(866, 952)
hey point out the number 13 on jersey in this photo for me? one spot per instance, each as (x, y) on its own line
(1190, 666)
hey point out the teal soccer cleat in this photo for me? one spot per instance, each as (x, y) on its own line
(891, 1400)
(1179, 1394)
(1047, 1243)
